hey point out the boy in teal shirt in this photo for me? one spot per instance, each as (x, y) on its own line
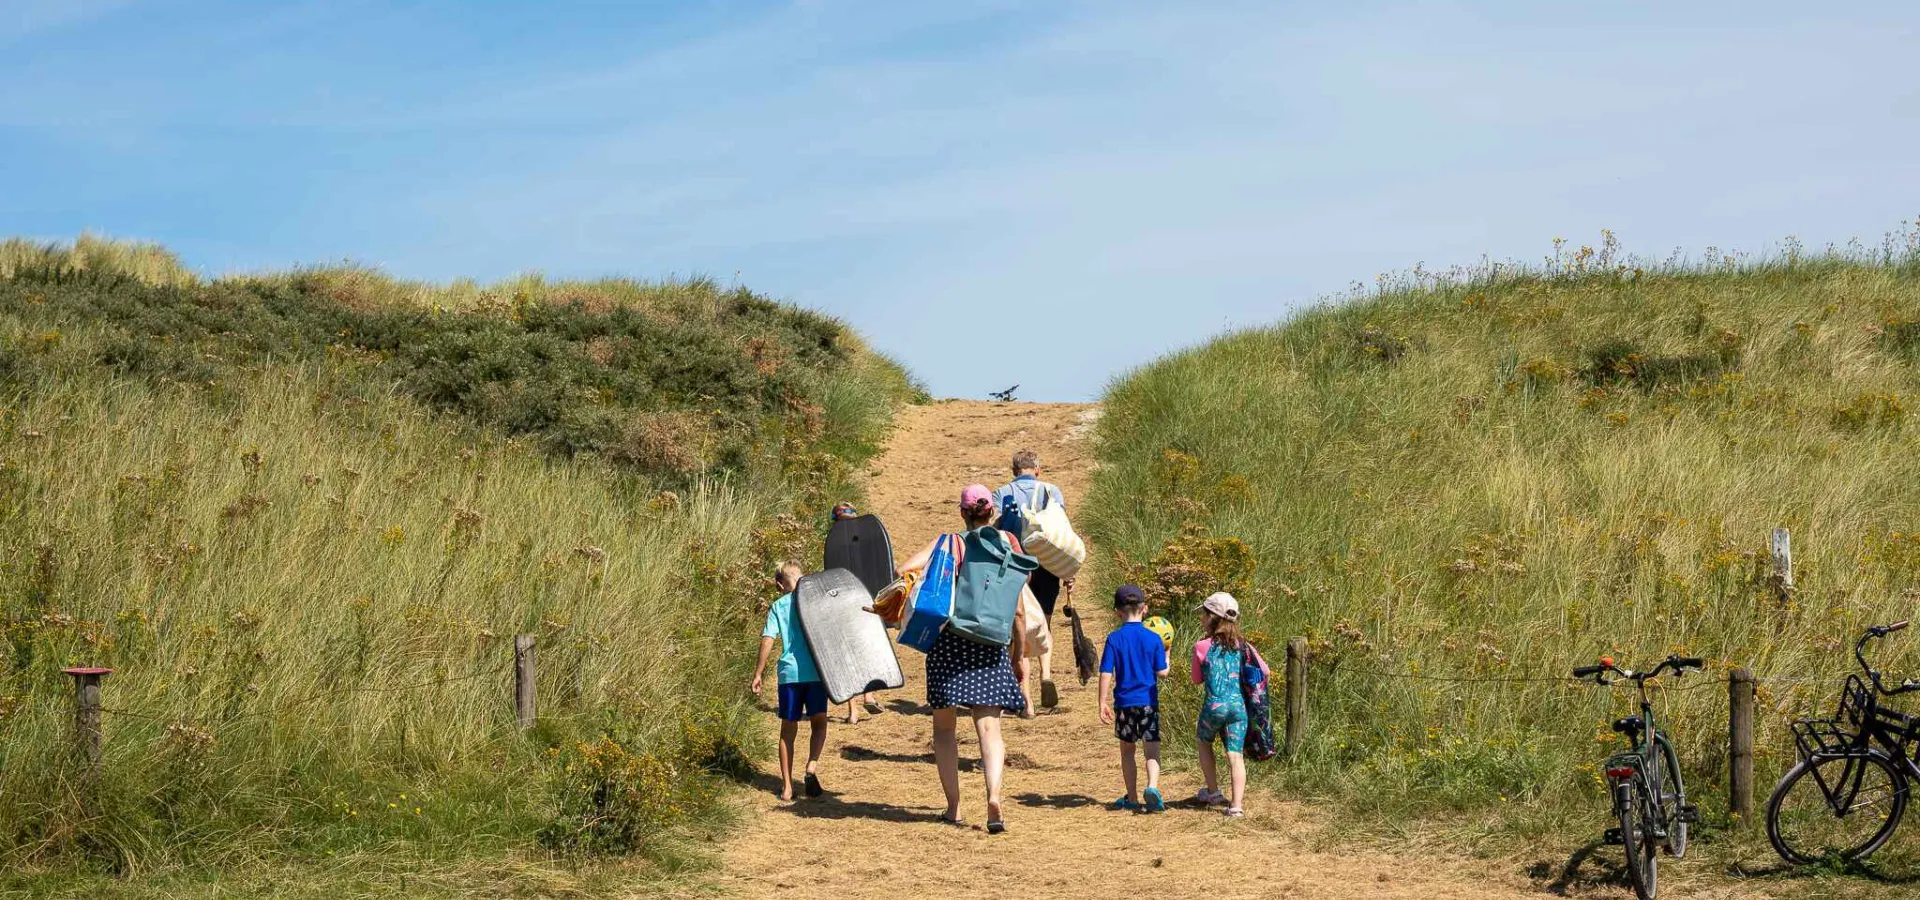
(802, 694)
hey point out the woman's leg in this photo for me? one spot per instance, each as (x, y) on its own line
(993, 754)
(1027, 695)
(946, 757)
(1237, 763)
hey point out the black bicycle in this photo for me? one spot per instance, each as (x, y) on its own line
(1649, 799)
(1846, 795)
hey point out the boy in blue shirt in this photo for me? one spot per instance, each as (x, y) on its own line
(802, 694)
(1131, 666)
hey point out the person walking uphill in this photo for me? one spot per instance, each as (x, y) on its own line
(1027, 490)
(1134, 662)
(868, 701)
(966, 672)
(803, 696)
(1217, 659)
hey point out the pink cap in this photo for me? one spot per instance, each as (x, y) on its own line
(976, 494)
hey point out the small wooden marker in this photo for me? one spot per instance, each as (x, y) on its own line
(86, 710)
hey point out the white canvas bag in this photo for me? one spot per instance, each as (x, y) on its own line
(1049, 537)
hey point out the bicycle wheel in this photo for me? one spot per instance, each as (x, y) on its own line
(1665, 778)
(1845, 806)
(1643, 852)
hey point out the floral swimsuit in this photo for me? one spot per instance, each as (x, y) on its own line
(1225, 713)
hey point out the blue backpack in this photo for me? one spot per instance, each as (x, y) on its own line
(987, 591)
(1011, 520)
(1253, 689)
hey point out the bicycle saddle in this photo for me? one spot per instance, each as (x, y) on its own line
(1629, 725)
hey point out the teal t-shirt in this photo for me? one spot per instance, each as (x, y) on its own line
(796, 658)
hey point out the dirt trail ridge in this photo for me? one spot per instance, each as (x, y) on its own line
(875, 834)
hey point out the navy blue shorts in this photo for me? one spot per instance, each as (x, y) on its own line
(802, 700)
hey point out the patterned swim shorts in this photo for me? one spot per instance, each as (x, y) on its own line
(1137, 723)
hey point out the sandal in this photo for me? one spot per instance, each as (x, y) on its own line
(1156, 802)
(873, 709)
(1124, 804)
(995, 826)
(1235, 812)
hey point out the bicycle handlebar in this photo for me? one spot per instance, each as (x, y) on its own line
(1860, 655)
(1675, 664)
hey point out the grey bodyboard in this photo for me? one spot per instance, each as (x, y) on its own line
(850, 646)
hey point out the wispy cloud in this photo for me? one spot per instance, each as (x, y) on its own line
(1124, 176)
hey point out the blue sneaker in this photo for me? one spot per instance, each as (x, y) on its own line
(1124, 804)
(1155, 802)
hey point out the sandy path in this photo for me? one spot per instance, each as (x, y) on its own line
(875, 834)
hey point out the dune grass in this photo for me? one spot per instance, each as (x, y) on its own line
(304, 528)
(1505, 472)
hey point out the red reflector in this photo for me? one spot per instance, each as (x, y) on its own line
(1622, 772)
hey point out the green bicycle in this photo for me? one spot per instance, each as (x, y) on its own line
(1649, 799)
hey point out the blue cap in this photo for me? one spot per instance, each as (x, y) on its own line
(1128, 595)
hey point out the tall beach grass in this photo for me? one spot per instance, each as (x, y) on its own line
(1500, 473)
(307, 573)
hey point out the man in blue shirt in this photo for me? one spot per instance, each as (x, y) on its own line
(1131, 667)
(1027, 490)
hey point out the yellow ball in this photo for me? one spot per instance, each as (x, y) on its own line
(1161, 627)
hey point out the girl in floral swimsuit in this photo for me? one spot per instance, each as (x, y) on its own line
(1216, 663)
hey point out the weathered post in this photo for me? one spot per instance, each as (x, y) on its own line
(1296, 694)
(86, 712)
(523, 713)
(1782, 577)
(1740, 746)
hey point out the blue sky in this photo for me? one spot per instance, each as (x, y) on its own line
(1041, 192)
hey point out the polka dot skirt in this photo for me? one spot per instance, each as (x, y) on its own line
(961, 672)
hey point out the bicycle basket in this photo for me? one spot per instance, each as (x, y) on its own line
(1843, 732)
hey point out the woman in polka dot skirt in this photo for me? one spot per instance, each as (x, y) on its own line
(983, 679)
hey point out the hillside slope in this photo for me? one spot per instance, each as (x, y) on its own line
(304, 516)
(1502, 474)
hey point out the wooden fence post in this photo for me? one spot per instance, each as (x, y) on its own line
(1782, 578)
(86, 712)
(523, 713)
(1296, 694)
(1740, 746)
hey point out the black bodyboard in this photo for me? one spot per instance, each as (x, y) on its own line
(860, 545)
